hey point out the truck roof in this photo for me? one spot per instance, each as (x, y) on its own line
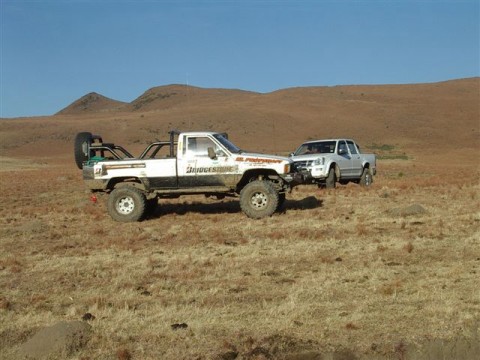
(200, 133)
(338, 139)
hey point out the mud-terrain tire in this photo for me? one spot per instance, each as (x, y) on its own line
(366, 179)
(127, 204)
(331, 179)
(259, 199)
(81, 143)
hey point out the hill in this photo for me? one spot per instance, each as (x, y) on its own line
(417, 119)
(91, 102)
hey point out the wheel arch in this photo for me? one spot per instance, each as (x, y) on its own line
(127, 181)
(254, 174)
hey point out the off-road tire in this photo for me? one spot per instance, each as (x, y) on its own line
(259, 199)
(81, 143)
(127, 204)
(366, 179)
(330, 182)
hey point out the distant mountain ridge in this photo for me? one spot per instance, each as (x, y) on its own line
(411, 118)
(168, 96)
(156, 98)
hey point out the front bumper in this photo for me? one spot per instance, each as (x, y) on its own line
(296, 178)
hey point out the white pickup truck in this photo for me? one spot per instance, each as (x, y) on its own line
(188, 163)
(332, 160)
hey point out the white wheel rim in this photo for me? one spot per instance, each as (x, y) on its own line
(259, 200)
(125, 205)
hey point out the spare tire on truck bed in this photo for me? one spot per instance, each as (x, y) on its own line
(82, 142)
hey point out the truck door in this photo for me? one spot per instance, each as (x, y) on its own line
(356, 161)
(343, 159)
(197, 168)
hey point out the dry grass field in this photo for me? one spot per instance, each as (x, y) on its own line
(388, 272)
(354, 270)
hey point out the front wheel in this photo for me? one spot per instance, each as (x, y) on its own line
(127, 204)
(331, 179)
(259, 199)
(366, 179)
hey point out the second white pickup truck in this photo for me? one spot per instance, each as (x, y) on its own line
(335, 160)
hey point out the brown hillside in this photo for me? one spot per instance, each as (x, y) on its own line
(91, 103)
(163, 97)
(420, 119)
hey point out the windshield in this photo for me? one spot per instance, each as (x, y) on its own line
(225, 142)
(320, 147)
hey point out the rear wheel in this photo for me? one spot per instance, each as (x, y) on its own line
(259, 199)
(366, 179)
(81, 144)
(331, 179)
(127, 204)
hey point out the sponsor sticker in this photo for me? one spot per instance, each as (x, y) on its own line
(258, 160)
(211, 169)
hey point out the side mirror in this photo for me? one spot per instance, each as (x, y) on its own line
(342, 151)
(291, 154)
(211, 153)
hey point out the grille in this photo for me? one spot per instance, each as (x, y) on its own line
(303, 164)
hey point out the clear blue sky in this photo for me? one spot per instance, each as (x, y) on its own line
(55, 51)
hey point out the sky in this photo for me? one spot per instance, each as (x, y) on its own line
(55, 51)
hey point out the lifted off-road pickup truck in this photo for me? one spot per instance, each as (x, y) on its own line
(188, 163)
(329, 161)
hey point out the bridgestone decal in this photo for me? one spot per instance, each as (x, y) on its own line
(211, 170)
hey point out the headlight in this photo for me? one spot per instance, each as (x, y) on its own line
(319, 161)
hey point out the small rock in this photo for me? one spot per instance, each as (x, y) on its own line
(88, 316)
(229, 355)
(179, 326)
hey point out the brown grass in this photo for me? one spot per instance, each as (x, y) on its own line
(337, 273)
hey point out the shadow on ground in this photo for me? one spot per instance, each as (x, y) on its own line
(227, 207)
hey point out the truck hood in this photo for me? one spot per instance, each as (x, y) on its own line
(261, 158)
(307, 157)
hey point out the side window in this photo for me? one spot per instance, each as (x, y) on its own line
(198, 146)
(351, 147)
(342, 146)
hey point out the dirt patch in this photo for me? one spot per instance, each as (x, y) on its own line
(415, 209)
(466, 349)
(13, 164)
(60, 340)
